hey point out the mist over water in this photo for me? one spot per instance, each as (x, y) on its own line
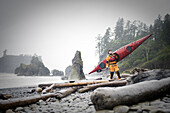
(8, 80)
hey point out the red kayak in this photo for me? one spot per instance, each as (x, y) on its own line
(122, 52)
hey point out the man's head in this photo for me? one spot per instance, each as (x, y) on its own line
(110, 52)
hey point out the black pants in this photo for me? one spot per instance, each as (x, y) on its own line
(112, 73)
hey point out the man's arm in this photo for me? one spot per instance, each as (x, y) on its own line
(116, 58)
(107, 61)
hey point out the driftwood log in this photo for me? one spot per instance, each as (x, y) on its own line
(61, 85)
(12, 103)
(65, 92)
(16, 102)
(48, 89)
(155, 74)
(109, 84)
(107, 98)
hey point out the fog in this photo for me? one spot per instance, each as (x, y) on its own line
(55, 29)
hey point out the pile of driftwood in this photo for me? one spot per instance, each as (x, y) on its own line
(66, 89)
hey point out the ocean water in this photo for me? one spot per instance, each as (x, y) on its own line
(9, 80)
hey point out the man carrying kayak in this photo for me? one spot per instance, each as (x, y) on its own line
(111, 61)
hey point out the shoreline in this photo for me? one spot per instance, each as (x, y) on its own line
(13, 81)
(8, 80)
(79, 102)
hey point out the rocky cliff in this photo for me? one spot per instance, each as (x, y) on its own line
(56, 72)
(36, 67)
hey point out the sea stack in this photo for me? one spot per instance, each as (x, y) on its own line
(77, 68)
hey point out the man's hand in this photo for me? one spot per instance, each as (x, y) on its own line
(106, 67)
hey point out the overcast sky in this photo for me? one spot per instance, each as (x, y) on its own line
(55, 29)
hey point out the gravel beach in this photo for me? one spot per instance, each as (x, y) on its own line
(80, 103)
(76, 102)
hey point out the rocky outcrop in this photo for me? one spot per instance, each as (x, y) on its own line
(36, 68)
(57, 73)
(139, 70)
(77, 68)
(155, 74)
(67, 73)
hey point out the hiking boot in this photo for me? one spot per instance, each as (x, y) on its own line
(121, 78)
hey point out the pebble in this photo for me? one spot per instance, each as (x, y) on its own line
(134, 112)
(90, 103)
(27, 110)
(39, 89)
(148, 108)
(31, 91)
(156, 106)
(33, 106)
(167, 105)
(19, 109)
(145, 111)
(41, 101)
(121, 109)
(160, 111)
(135, 108)
(105, 111)
(144, 104)
(9, 111)
(166, 99)
(139, 111)
(77, 100)
(156, 103)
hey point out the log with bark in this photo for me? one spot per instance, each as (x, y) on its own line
(16, 102)
(107, 98)
(61, 85)
(109, 84)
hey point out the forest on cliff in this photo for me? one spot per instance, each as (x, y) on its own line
(153, 53)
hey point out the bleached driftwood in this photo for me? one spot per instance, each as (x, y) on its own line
(65, 92)
(48, 89)
(61, 85)
(107, 84)
(107, 98)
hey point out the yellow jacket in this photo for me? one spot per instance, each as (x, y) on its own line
(110, 59)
